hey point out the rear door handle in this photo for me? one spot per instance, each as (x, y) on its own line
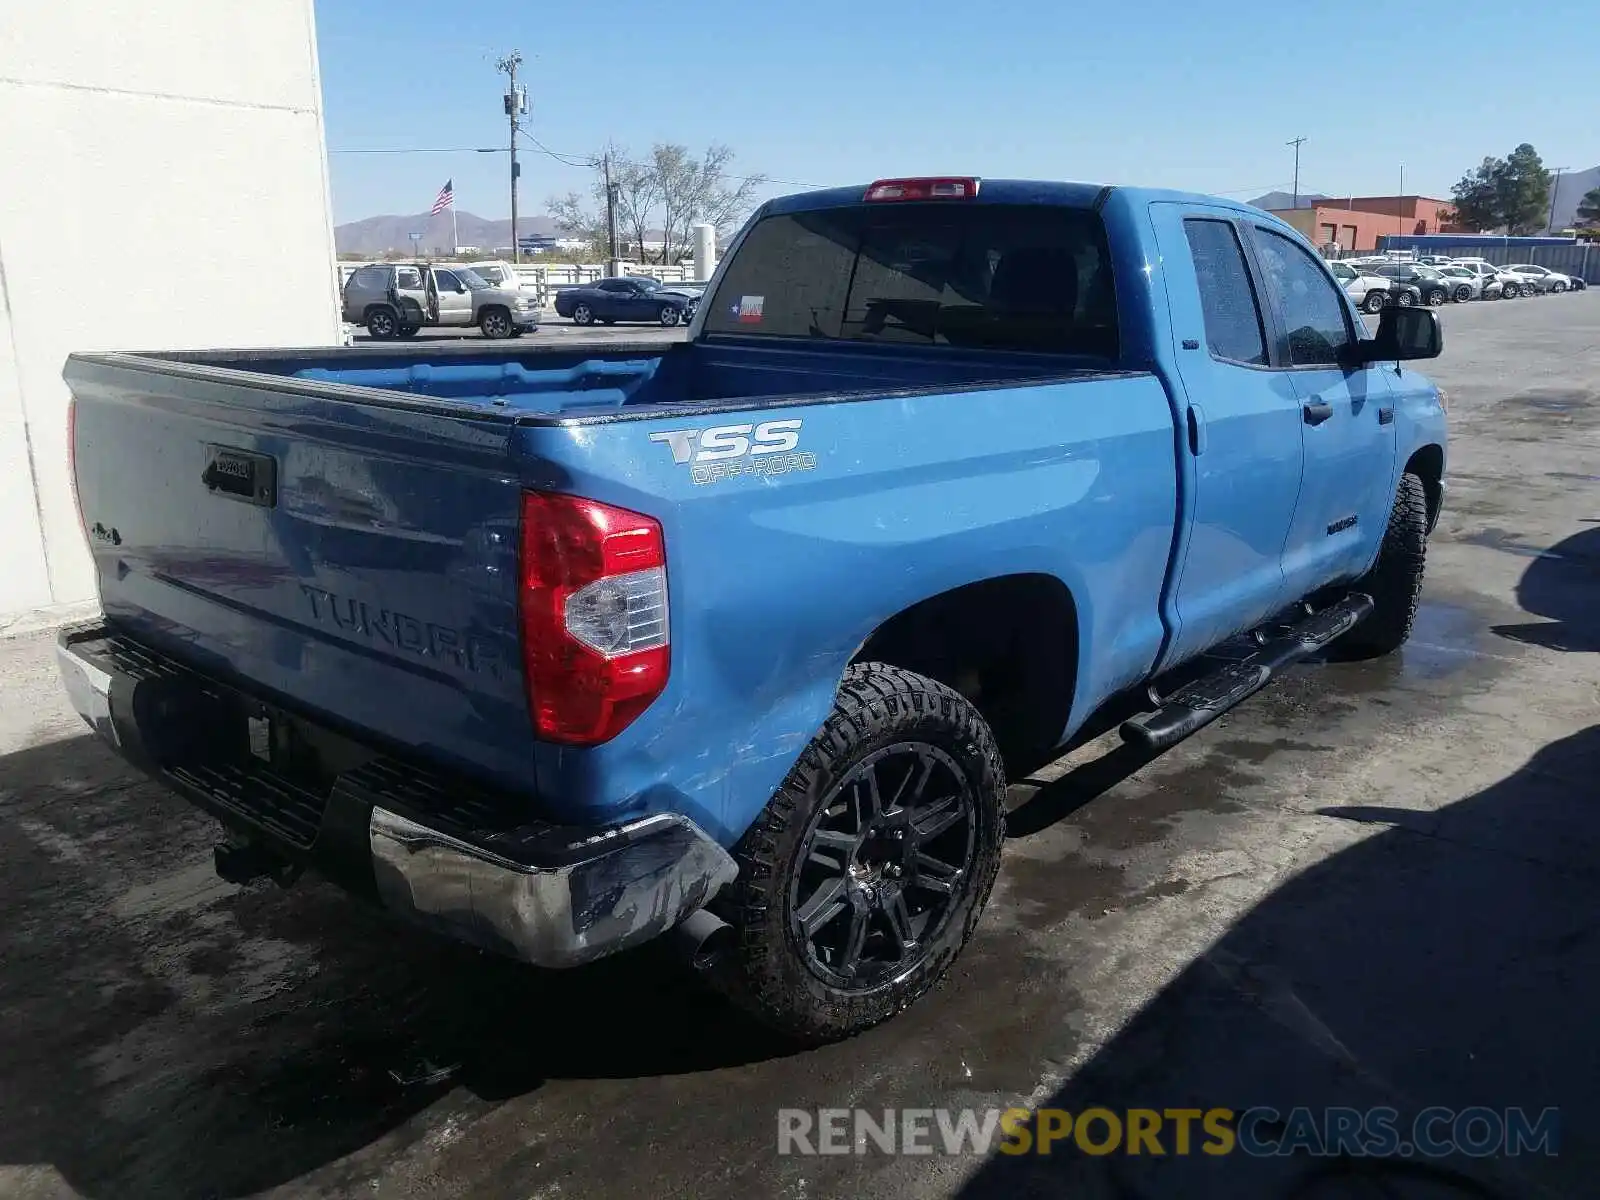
(1197, 430)
(1317, 412)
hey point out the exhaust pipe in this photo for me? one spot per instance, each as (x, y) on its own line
(701, 939)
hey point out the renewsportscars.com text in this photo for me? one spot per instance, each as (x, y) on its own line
(1260, 1131)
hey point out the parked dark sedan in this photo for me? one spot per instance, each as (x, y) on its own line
(1432, 288)
(628, 299)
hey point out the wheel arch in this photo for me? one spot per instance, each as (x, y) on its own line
(1008, 643)
(1427, 464)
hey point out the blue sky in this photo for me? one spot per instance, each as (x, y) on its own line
(1157, 92)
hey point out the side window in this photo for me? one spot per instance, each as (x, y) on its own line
(408, 277)
(1315, 320)
(1233, 315)
(370, 277)
(446, 281)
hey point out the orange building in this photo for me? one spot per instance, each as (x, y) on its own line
(1356, 223)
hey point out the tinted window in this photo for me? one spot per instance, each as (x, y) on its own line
(999, 277)
(615, 285)
(408, 277)
(446, 281)
(1342, 272)
(1233, 317)
(371, 277)
(1312, 308)
(493, 275)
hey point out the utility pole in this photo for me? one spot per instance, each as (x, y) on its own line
(611, 218)
(1296, 143)
(1550, 222)
(516, 105)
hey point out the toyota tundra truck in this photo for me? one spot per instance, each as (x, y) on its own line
(557, 650)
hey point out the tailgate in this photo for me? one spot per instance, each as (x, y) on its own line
(352, 555)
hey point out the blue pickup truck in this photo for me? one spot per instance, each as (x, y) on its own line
(555, 650)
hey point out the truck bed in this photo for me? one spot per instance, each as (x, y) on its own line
(619, 378)
(338, 530)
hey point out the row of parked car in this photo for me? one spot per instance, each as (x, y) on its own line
(1434, 280)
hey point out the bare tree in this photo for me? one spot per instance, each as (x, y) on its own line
(671, 191)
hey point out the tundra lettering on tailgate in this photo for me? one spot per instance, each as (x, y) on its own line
(357, 617)
(727, 451)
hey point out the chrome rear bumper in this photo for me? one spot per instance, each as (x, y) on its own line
(552, 895)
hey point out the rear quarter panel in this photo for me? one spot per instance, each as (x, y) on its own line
(776, 580)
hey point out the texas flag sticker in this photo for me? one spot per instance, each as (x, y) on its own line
(748, 310)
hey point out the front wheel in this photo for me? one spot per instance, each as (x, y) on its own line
(1374, 302)
(1511, 291)
(1558, 288)
(1436, 297)
(1463, 294)
(1405, 299)
(669, 316)
(866, 873)
(1395, 581)
(495, 323)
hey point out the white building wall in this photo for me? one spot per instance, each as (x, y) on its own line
(165, 186)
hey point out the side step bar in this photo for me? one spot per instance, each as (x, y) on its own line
(1199, 703)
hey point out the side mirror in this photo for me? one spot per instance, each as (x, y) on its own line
(1404, 334)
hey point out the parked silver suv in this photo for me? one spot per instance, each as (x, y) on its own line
(397, 299)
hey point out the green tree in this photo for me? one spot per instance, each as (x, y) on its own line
(1589, 207)
(1511, 193)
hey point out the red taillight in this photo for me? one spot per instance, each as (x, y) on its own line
(595, 639)
(944, 187)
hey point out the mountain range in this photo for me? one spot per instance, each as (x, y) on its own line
(376, 235)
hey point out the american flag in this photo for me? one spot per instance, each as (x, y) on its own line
(447, 198)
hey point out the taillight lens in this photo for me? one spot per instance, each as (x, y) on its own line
(595, 636)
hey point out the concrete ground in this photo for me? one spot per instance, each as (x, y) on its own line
(1374, 884)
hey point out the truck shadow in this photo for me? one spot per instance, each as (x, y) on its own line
(1450, 958)
(1561, 585)
(168, 1035)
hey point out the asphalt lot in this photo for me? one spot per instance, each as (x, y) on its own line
(1373, 884)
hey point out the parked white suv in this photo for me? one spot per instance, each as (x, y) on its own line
(1371, 292)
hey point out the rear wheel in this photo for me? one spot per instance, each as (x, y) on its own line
(1511, 291)
(1395, 581)
(1463, 294)
(1405, 299)
(1436, 297)
(382, 324)
(866, 873)
(583, 315)
(1558, 287)
(1373, 302)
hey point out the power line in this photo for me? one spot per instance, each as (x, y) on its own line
(425, 150)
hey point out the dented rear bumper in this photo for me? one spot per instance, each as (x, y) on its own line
(435, 848)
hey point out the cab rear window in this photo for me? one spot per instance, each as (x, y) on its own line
(997, 277)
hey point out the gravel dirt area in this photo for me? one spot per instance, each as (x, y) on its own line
(1373, 884)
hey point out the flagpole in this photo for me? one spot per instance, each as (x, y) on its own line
(455, 238)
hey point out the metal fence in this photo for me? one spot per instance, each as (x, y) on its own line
(1581, 261)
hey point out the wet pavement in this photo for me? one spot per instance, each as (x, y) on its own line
(1373, 884)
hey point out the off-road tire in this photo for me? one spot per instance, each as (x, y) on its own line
(1373, 302)
(765, 971)
(1395, 581)
(382, 323)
